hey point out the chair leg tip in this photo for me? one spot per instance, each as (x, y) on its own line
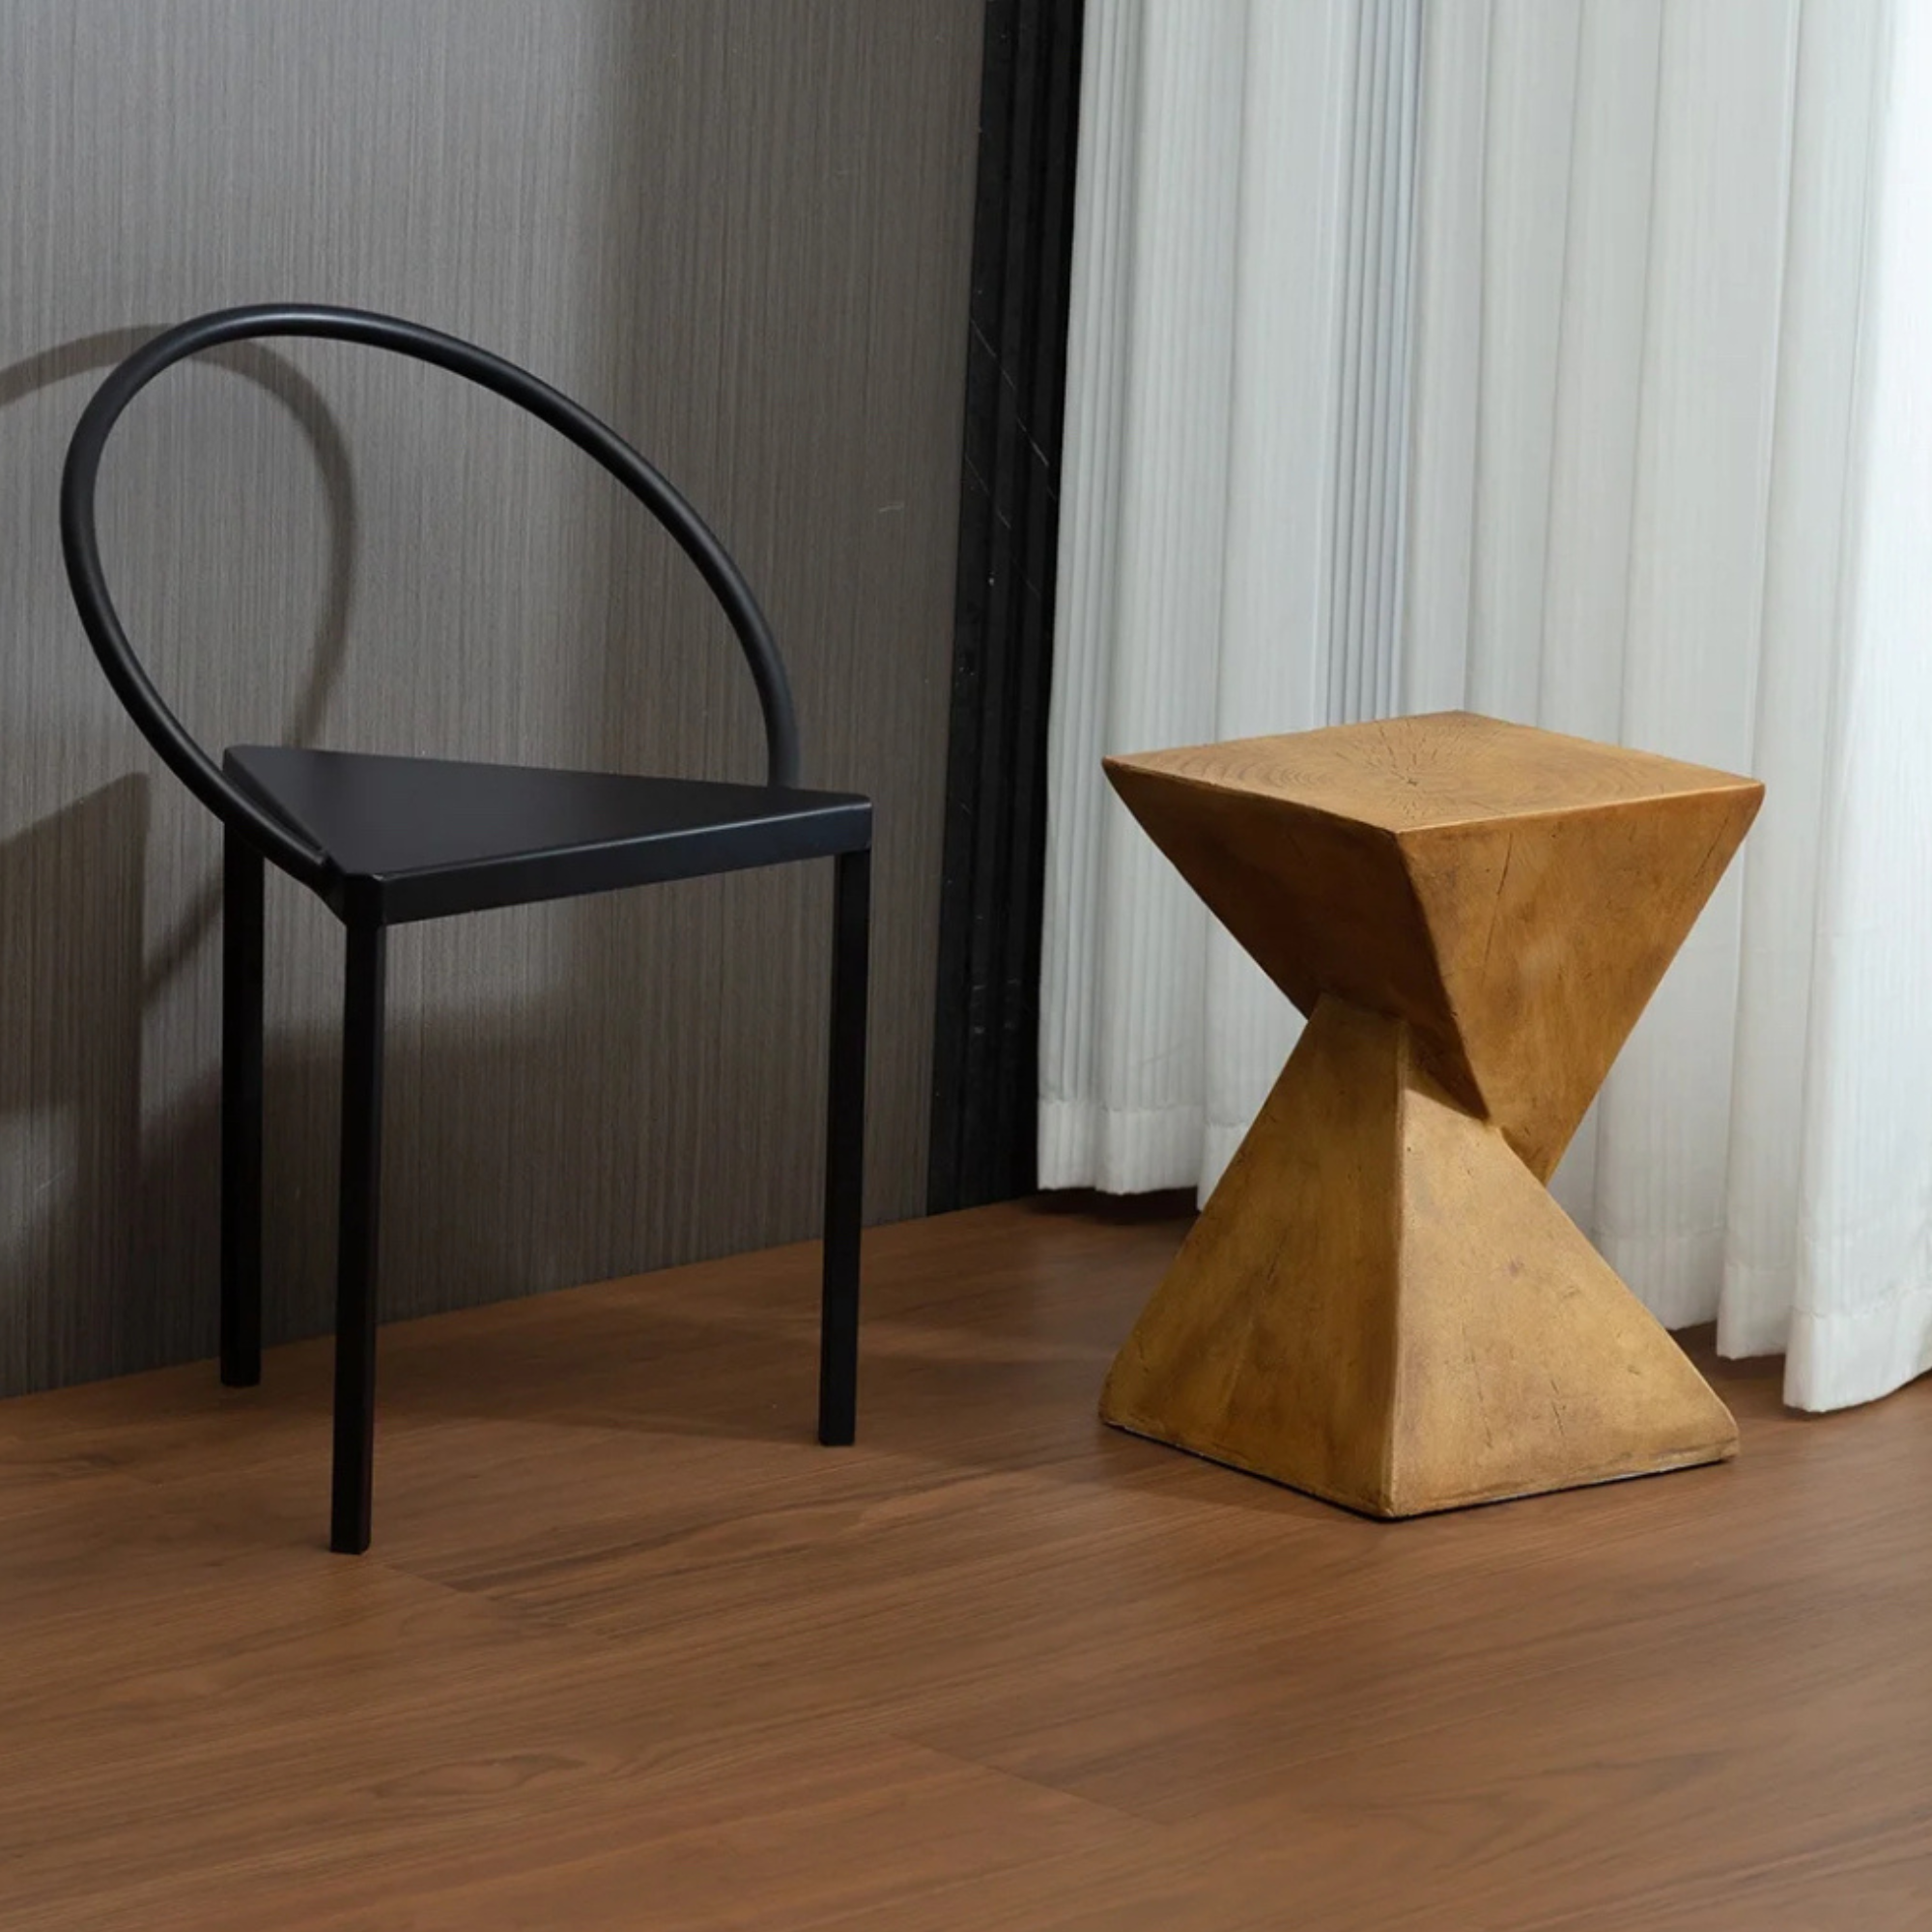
(349, 1535)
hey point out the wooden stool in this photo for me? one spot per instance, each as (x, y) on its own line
(1380, 1303)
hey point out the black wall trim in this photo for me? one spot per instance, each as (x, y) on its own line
(986, 1028)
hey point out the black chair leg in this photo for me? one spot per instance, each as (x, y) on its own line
(240, 1113)
(844, 1152)
(356, 1240)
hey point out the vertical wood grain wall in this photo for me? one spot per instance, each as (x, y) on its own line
(738, 230)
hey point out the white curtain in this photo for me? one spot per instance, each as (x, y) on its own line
(1555, 358)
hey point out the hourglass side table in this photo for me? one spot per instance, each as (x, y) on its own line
(1382, 1304)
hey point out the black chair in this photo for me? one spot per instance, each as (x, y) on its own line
(383, 840)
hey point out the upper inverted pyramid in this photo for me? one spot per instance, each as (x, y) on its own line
(1513, 894)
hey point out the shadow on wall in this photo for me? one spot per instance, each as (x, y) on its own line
(90, 1284)
(71, 964)
(92, 355)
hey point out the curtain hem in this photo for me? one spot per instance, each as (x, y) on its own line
(1120, 1151)
(1839, 1359)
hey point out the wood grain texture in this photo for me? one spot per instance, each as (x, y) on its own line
(1382, 1304)
(739, 232)
(1438, 769)
(632, 1654)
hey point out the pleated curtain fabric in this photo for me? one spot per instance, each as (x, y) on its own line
(1230, 520)
(1551, 358)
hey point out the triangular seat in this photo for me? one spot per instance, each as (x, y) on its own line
(415, 838)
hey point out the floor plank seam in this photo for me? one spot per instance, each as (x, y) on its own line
(1101, 1806)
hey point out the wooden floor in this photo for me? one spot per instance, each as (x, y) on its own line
(630, 1652)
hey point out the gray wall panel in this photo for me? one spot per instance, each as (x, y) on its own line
(738, 229)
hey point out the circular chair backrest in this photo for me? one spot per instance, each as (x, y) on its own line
(189, 763)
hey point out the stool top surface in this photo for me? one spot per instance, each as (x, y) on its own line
(1443, 768)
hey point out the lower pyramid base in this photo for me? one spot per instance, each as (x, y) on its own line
(1381, 1305)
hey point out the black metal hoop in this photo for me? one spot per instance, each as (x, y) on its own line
(189, 763)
